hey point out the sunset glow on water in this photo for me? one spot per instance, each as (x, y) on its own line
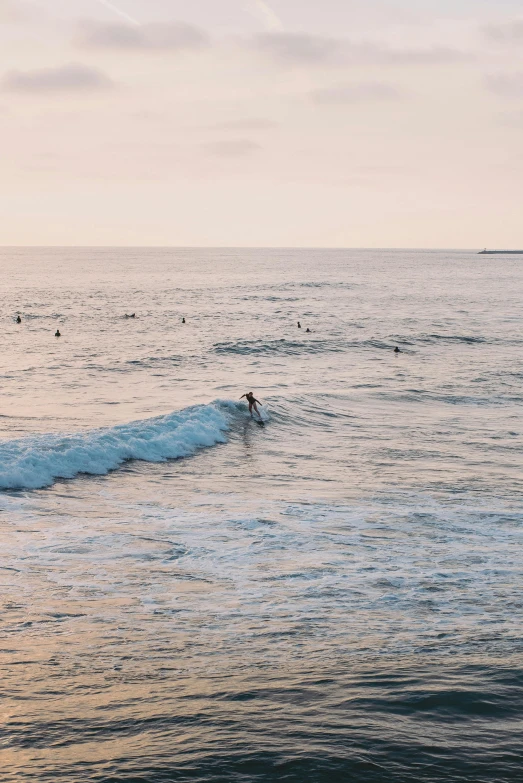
(189, 596)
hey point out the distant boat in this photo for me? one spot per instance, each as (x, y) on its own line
(499, 252)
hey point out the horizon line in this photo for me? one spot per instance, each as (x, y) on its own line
(242, 247)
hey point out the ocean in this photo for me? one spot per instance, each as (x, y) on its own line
(332, 597)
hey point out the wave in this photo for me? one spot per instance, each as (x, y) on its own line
(295, 347)
(153, 361)
(336, 343)
(434, 339)
(37, 462)
(453, 338)
(281, 346)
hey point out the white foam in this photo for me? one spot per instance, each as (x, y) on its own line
(264, 413)
(36, 462)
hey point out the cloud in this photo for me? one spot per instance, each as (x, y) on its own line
(255, 123)
(233, 148)
(64, 78)
(23, 14)
(506, 32)
(292, 49)
(513, 119)
(506, 85)
(119, 12)
(435, 55)
(12, 11)
(173, 37)
(355, 93)
(262, 10)
(297, 48)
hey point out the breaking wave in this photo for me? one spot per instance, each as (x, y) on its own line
(37, 462)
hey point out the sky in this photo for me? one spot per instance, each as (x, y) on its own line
(340, 123)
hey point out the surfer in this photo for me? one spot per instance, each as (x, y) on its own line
(299, 325)
(18, 320)
(183, 320)
(251, 399)
(397, 350)
(57, 333)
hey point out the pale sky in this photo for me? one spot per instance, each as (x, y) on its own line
(343, 123)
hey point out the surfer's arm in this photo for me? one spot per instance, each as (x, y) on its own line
(243, 395)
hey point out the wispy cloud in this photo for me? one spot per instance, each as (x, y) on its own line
(167, 37)
(512, 119)
(11, 11)
(264, 11)
(119, 12)
(506, 32)
(254, 123)
(294, 49)
(506, 85)
(356, 93)
(434, 55)
(233, 148)
(70, 77)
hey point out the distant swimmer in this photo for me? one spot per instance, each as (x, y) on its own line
(299, 325)
(183, 320)
(133, 315)
(308, 330)
(18, 320)
(252, 402)
(57, 333)
(397, 350)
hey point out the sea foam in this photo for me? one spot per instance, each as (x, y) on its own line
(38, 461)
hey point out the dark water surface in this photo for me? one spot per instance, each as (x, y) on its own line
(333, 596)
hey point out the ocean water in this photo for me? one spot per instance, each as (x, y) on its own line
(334, 596)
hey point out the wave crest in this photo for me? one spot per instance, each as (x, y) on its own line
(37, 462)
(280, 346)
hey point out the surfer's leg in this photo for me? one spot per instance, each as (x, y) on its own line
(256, 409)
(250, 408)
